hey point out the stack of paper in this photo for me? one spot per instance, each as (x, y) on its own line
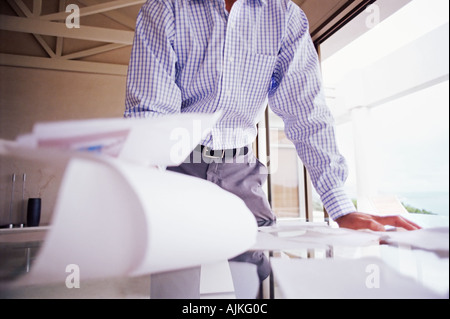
(297, 235)
(166, 140)
(431, 239)
(293, 235)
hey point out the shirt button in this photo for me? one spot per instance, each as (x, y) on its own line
(231, 59)
(228, 93)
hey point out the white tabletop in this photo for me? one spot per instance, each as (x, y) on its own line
(312, 260)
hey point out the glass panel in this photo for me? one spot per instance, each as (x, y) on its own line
(388, 90)
(287, 189)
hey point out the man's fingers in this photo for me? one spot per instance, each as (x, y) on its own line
(358, 220)
(397, 221)
(374, 225)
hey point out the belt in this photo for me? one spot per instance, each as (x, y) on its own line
(220, 154)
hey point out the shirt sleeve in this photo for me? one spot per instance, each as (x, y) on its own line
(296, 95)
(151, 88)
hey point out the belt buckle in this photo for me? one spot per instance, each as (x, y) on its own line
(208, 150)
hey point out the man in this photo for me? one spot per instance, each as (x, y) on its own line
(204, 56)
(236, 57)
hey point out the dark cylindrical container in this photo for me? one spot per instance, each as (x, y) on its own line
(33, 212)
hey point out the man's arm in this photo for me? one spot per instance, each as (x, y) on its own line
(297, 97)
(151, 88)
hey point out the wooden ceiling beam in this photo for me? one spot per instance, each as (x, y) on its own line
(117, 16)
(18, 24)
(62, 65)
(89, 52)
(21, 10)
(37, 7)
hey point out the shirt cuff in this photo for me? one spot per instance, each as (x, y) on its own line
(337, 203)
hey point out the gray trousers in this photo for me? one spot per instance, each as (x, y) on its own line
(240, 173)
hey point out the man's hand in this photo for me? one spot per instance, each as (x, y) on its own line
(376, 223)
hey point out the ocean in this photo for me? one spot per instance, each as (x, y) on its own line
(435, 202)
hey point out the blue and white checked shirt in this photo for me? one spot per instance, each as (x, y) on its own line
(192, 56)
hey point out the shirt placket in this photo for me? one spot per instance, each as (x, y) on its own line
(227, 82)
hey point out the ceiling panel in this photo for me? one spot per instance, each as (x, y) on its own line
(319, 11)
(325, 16)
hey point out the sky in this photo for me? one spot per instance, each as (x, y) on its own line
(412, 132)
